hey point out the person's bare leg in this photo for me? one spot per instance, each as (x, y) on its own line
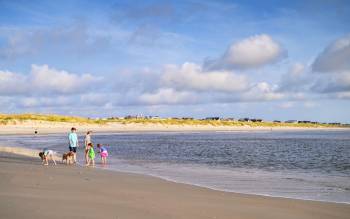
(86, 157)
(93, 162)
(53, 159)
(75, 157)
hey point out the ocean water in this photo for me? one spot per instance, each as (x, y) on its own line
(312, 165)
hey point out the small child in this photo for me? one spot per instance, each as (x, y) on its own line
(104, 153)
(48, 154)
(91, 155)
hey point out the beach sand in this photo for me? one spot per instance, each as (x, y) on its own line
(44, 127)
(30, 190)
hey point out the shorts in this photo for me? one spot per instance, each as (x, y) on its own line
(74, 149)
(104, 154)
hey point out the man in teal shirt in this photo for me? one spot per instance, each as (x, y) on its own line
(73, 142)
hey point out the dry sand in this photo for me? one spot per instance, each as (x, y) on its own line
(43, 127)
(30, 190)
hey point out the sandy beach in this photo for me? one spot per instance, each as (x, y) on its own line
(30, 190)
(44, 127)
(185, 109)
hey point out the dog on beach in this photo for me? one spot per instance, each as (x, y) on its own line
(68, 157)
(42, 156)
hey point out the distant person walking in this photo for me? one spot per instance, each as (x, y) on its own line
(87, 141)
(73, 142)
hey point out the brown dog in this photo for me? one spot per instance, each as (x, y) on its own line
(68, 157)
(42, 156)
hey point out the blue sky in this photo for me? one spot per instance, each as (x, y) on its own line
(267, 59)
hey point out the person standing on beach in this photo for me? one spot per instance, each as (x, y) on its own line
(73, 142)
(87, 141)
(91, 155)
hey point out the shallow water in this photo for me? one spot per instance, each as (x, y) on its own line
(297, 164)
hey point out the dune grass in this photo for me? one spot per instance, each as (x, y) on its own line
(224, 123)
(18, 118)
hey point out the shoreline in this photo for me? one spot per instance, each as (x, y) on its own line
(61, 127)
(222, 190)
(131, 195)
(116, 132)
(32, 153)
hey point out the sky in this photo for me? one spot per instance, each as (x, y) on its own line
(274, 60)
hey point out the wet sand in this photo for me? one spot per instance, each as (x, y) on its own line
(30, 190)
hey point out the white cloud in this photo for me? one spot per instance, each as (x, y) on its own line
(294, 104)
(335, 60)
(44, 80)
(262, 91)
(12, 83)
(295, 79)
(59, 101)
(339, 82)
(297, 70)
(309, 104)
(287, 105)
(96, 99)
(167, 96)
(191, 76)
(343, 95)
(335, 57)
(60, 81)
(251, 52)
(190, 84)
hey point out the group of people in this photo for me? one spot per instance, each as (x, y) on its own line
(88, 149)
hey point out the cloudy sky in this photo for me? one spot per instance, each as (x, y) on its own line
(267, 59)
